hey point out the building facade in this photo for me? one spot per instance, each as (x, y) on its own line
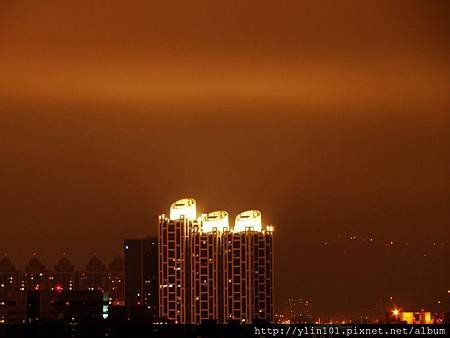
(116, 281)
(22, 292)
(210, 271)
(94, 277)
(63, 276)
(141, 276)
(9, 276)
(35, 277)
(173, 269)
(65, 305)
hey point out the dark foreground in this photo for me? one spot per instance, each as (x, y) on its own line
(117, 330)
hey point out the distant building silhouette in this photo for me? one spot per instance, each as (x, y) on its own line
(63, 277)
(94, 277)
(9, 276)
(13, 307)
(9, 283)
(141, 276)
(116, 281)
(299, 310)
(35, 276)
(36, 293)
(73, 306)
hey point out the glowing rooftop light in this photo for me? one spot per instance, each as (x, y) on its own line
(185, 207)
(215, 219)
(248, 219)
(395, 312)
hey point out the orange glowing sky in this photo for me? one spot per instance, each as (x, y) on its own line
(300, 53)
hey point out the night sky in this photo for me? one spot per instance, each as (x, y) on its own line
(332, 118)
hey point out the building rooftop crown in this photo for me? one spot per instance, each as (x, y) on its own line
(95, 264)
(250, 219)
(185, 207)
(6, 265)
(217, 220)
(34, 265)
(64, 264)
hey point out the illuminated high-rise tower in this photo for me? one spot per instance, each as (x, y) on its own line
(204, 251)
(173, 254)
(211, 271)
(247, 264)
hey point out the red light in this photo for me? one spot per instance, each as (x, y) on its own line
(58, 288)
(36, 287)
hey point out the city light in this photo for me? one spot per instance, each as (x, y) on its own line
(216, 220)
(185, 207)
(250, 219)
(205, 259)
